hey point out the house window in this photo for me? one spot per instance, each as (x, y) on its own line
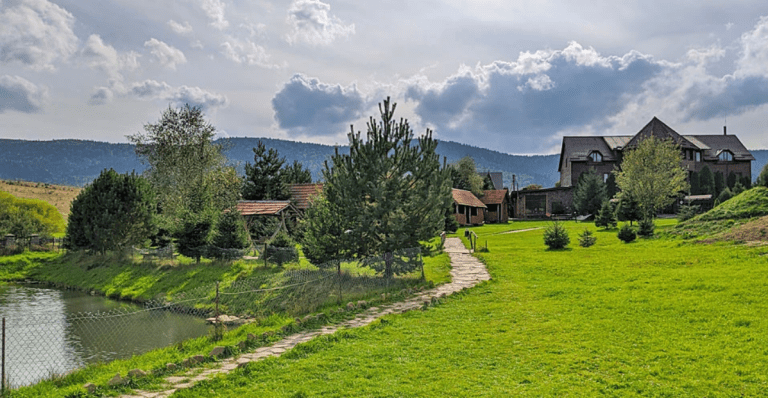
(605, 177)
(474, 211)
(725, 156)
(698, 156)
(596, 156)
(535, 204)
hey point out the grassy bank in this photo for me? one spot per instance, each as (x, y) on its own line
(658, 317)
(129, 278)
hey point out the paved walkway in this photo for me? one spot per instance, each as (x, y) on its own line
(466, 272)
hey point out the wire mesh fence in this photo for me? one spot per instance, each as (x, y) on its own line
(38, 345)
(11, 244)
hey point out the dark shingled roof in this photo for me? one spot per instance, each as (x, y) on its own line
(262, 207)
(577, 149)
(658, 129)
(466, 198)
(717, 143)
(301, 193)
(494, 197)
(496, 178)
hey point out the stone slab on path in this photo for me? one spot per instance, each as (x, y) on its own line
(466, 272)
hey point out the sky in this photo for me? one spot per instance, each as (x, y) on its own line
(509, 76)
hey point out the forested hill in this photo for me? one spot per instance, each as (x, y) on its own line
(77, 162)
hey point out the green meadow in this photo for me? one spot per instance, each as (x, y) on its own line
(656, 317)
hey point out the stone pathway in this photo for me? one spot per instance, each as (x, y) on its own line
(466, 272)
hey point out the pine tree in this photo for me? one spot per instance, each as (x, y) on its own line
(389, 193)
(589, 194)
(628, 209)
(719, 183)
(262, 178)
(296, 173)
(706, 181)
(606, 218)
(115, 212)
(695, 188)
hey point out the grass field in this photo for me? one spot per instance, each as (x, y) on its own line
(59, 196)
(127, 279)
(658, 317)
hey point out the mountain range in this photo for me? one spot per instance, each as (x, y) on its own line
(78, 162)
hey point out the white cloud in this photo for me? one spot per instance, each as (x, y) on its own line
(181, 29)
(100, 56)
(214, 9)
(19, 94)
(754, 56)
(312, 24)
(36, 33)
(246, 52)
(196, 96)
(167, 56)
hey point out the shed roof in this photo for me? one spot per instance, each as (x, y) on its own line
(466, 198)
(494, 197)
(497, 178)
(302, 193)
(262, 207)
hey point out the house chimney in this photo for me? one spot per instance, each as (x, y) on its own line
(724, 131)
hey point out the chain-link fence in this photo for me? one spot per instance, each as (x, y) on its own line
(10, 244)
(38, 345)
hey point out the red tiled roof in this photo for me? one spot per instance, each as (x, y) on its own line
(262, 207)
(466, 198)
(493, 197)
(301, 193)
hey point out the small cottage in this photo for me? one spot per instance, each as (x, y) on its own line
(467, 208)
(496, 202)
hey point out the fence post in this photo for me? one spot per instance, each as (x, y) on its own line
(2, 382)
(338, 277)
(217, 303)
(265, 254)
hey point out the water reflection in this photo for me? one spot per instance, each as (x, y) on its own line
(51, 331)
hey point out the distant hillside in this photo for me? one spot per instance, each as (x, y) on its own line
(77, 162)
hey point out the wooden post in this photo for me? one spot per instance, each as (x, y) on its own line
(2, 382)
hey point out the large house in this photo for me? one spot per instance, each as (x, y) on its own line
(720, 153)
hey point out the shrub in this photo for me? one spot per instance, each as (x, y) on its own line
(586, 238)
(606, 217)
(556, 237)
(281, 249)
(687, 212)
(645, 227)
(627, 233)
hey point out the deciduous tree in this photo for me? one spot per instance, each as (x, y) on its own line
(652, 175)
(464, 176)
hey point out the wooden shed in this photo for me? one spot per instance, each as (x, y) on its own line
(467, 208)
(496, 202)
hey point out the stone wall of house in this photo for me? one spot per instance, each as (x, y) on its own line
(601, 169)
(562, 195)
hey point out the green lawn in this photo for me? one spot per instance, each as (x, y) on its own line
(126, 278)
(659, 317)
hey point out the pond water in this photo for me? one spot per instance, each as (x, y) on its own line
(51, 331)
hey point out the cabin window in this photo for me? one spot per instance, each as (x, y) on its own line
(473, 211)
(596, 156)
(698, 156)
(535, 204)
(725, 156)
(605, 177)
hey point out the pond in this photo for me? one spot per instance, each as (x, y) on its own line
(51, 331)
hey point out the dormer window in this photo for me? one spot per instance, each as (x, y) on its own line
(725, 156)
(596, 156)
